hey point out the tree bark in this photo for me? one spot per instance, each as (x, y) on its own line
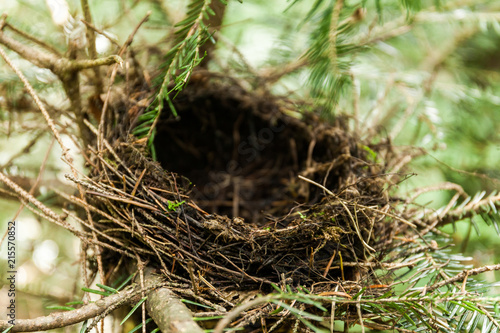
(167, 311)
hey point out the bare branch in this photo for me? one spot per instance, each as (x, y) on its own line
(463, 275)
(63, 319)
(38, 58)
(92, 48)
(78, 65)
(101, 32)
(33, 39)
(167, 311)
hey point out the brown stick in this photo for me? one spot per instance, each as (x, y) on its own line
(167, 311)
(67, 318)
(461, 276)
(92, 49)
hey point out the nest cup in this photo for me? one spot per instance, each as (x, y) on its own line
(225, 199)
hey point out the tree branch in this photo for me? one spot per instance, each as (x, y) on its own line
(170, 307)
(463, 275)
(92, 48)
(38, 58)
(78, 65)
(67, 70)
(28, 36)
(67, 318)
(167, 311)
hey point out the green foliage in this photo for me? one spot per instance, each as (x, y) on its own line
(178, 65)
(172, 206)
(125, 282)
(420, 77)
(196, 303)
(412, 5)
(84, 327)
(329, 52)
(108, 289)
(59, 307)
(413, 305)
(139, 326)
(131, 312)
(97, 292)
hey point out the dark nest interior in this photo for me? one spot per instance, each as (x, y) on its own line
(247, 192)
(243, 155)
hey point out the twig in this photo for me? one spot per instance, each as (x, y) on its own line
(167, 311)
(128, 201)
(35, 184)
(100, 131)
(23, 151)
(332, 312)
(353, 220)
(33, 39)
(327, 268)
(38, 102)
(64, 68)
(440, 187)
(461, 276)
(360, 315)
(67, 318)
(78, 65)
(487, 313)
(101, 32)
(28, 197)
(65, 152)
(469, 173)
(58, 65)
(38, 178)
(92, 50)
(233, 314)
(238, 268)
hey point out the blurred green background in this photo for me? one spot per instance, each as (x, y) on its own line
(432, 84)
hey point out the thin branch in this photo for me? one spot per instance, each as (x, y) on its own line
(101, 32)
(31, 199)
(66, 69)
(488, 314)
(233, 314)
(78, 65)
(67, 318)
(132, 35)
(91, 47)
(439, 187)
(33, 39)
(463, 275)
(38, 58)
(100, 132)
(38, 178)
(23, 151)
(38, 102)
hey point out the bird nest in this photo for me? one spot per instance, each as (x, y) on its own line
(246, 192)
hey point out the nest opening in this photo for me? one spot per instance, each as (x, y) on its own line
(243, 155)
(239, 154)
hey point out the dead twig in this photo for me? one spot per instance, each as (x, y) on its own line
(461, 276)
(67, 318)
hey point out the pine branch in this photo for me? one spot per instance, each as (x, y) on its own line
(463, 276)
(179, 64)
(329, 52)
